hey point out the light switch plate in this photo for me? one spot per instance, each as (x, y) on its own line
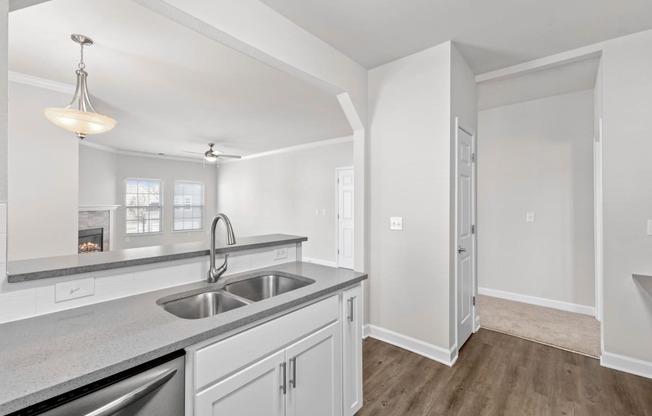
(281, 253)
(529, 217)
(396, 223)
(649, 227)
(74, 289)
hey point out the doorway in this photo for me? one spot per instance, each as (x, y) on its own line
(345, 212)
(536, 190)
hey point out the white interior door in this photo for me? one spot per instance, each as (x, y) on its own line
(345, 218)
(465, 230)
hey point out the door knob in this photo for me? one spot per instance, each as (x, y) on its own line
(461, 250)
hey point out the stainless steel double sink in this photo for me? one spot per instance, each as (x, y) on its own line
(234, 295)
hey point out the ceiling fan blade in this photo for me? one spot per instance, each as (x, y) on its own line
(230, 156)
(194, 153)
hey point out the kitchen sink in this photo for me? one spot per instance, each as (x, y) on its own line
(202, 305)
(265, 286)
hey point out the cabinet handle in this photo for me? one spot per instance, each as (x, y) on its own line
(350, 301)
(293, 379)
(283, 388)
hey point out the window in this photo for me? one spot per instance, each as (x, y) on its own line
(188, 206)
(143, 206)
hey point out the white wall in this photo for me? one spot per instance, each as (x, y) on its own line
(167, 171)
(627, 144)
(42, 167)
(98, 175)
(537, 156)
(279, 193)
(463, 107)
(409, 116)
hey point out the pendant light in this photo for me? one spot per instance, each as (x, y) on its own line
(80, 116)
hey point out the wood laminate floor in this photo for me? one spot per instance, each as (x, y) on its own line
(498, 374)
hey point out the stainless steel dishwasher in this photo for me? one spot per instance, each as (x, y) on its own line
(155, 388)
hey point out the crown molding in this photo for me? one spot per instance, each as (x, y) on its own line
(320, 143)
(39, 82)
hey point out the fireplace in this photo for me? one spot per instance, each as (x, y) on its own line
(91, 240)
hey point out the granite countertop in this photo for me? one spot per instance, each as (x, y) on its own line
(43, 268)
(48, 355)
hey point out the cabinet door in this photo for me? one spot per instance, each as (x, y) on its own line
(253, 391)
(315, 374)
(352, 350)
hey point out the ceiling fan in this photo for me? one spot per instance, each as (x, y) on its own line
(211, 155)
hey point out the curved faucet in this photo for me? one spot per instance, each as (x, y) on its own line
(214, 273)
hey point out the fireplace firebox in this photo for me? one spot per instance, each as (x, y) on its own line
(91, 240)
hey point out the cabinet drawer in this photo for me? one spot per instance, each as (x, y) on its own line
(224, 357)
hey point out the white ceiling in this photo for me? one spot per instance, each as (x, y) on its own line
(491, 34)
(170, 89)
(547, 82)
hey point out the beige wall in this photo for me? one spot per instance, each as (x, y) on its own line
(42, 209)
(626, 109)
(98, 174)
(537, 156)
(409, 116)
(279, 193)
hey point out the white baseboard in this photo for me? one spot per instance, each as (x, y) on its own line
(441, 355)
(533, 300)
(626, 364)
(322, 262)
(365, 331)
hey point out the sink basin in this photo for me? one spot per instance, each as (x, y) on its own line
(263, 287)
(202, 305)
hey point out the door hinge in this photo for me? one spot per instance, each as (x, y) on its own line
(473, 157)
(473, 229)
(473, 300)
(338, 180)
(338, 251)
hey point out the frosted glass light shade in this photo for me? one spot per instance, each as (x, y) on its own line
(80, 122)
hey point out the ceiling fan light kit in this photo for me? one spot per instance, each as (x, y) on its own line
(80, 117)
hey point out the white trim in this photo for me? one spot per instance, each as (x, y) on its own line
(143, 154)
(83, 208)
(439, 354)
(475, 317)
(626, 364)
(365, 331)
(533, 300)
(327, 142)
(321, 262)
(550, 61)
(38, 82)
(337, 213)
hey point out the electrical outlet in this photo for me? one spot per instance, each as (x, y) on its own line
(529, 217)
(649, 227)
(281, 253)
(74, 289)
(323, 212)
(396, 223)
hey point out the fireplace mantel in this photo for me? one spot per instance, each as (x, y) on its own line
(99, 207)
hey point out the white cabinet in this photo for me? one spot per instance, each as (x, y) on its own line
(307, 362)
(251, 391)
(291, 365)
(352, 303)
(314, 374)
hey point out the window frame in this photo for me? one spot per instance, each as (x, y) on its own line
(202, 206)
(161, 206)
